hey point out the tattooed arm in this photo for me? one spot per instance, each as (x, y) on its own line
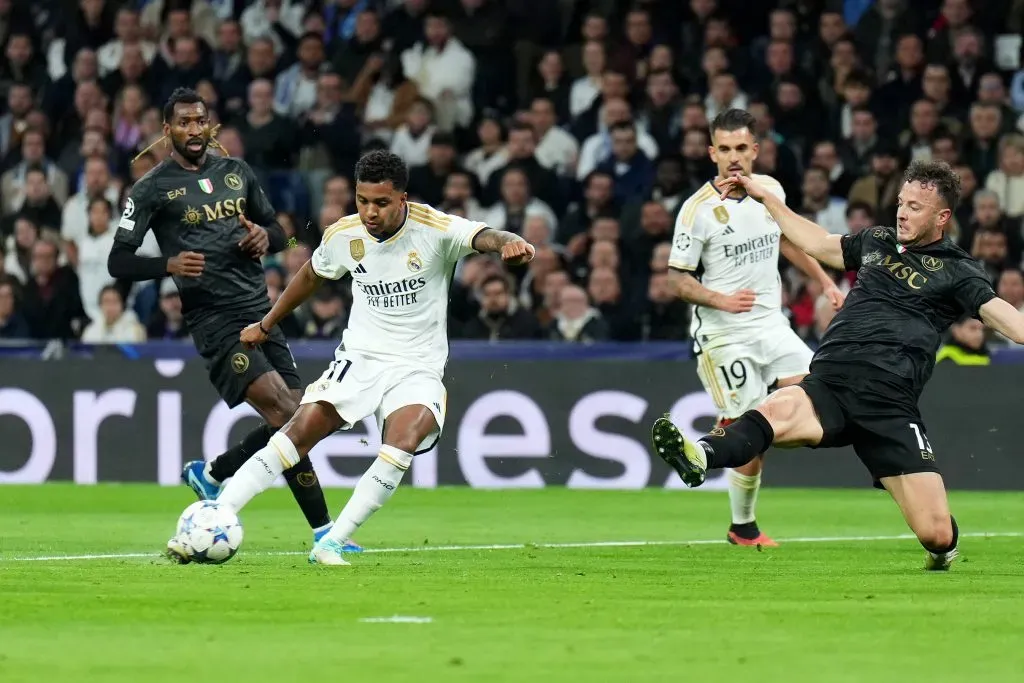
(514, 249)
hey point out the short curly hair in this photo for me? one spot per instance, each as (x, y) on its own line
(380, 166)
(939, 176)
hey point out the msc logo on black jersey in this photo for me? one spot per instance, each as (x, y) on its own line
(192, 216)
(224, 209)
(905, 273)
(931, 263)
(233, 181)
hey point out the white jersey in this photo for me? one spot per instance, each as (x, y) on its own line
(736, 244)
(399, 285)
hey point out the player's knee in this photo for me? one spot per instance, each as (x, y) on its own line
(407, 443)
(935, 531)
(280, 409)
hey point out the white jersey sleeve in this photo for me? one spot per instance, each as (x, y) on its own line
(457, 236)
(690, 233)
(327, 260)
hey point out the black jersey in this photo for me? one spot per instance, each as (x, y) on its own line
(902, 302)
(199, 211)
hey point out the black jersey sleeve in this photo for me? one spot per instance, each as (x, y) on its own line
(143, 203)
(853, 246)
(123, 263)
(972, 287)
(261, 212)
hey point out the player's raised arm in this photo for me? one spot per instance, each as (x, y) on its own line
(1002, 317)
(514, 249)
(811, 268)
(124, 264)
(807, 235)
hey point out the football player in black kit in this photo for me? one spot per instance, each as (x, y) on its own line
(875, 357)
(212, 218)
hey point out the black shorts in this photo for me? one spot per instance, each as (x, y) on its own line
(232, 367)
(872, 411)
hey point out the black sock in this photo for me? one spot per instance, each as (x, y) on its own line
(956, 536)
(228, 462)
(305, 486)
(740, 442)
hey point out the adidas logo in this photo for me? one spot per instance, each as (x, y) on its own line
(361, 269)
(728, 230)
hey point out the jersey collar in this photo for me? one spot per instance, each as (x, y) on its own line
(719, 192)
(383, 240)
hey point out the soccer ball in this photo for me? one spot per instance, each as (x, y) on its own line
(209, 532)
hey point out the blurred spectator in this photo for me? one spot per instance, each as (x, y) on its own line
(33, 155)
(1010, 288)
(966, 345)
(516, 203)
(879, 190)
(1007, 181)
(632, 170)
(260, 62)
(53, 305)
(916, 141)
(990, 248)
(605, 290)
(550, 83)
(556, 150)
(364, 47)
(598, 200)
(443, 70)
(988, 216)
(38, 203)
(576, 320)
(114, 325)
(826, 157)
(18, 248)
(827, 210)
(492, 153)
(128, 32)
(295, 90)
(269, 139)
(12, 322)
(426, 181)
(324, 316)
(278, 20)
(458, 194)
(981, 146)
(404, 24)
(860, 146)
(14, 123)
(587, 88)
(669, 186)
(500, 316)
(599, 147)
(412, 139)
(666, 317)
(655, 228)
(522, 146)
(168, 321)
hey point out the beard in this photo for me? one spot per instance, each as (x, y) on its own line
(187, 154)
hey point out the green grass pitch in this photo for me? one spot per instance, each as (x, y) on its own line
(816, 609)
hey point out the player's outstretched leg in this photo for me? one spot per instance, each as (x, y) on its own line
(923, 502)
(406, 429)
(310, 424)
(744, 485)
(786, 418)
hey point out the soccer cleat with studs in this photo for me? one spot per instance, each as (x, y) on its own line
(177, 552)
(939, 562)
(193, 477)
(688, 459)
(329, 552)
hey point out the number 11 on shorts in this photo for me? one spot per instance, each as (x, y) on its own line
(922, 440)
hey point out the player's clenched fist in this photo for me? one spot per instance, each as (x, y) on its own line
(517, 253)
(754, 189)
(253, 335)
(186, 264)
(257, 242)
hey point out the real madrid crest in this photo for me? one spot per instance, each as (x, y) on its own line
(931, 263)
(721, 214)
(357, 249)
(414, 262)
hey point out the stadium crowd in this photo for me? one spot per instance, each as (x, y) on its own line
(579, 124)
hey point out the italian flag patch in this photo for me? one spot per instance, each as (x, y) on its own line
(206, 185)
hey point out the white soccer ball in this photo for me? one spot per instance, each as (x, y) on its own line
(210, 532)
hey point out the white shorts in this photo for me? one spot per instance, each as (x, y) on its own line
(738, 376)
(359, 386)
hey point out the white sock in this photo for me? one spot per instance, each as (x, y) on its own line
(259, 472)
(743, 490)
(207, 474)
(372, 491)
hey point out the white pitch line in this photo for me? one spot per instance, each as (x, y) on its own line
(528, 546)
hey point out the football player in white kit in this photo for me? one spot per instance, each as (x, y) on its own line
(725, 261)
(401, 256)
